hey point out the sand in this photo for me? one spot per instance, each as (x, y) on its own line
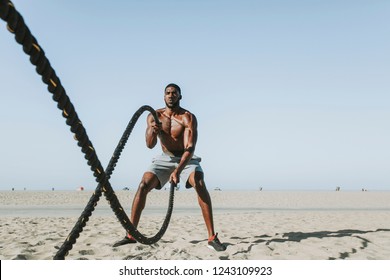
(255, 225)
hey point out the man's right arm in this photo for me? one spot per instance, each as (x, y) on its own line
(152, 131)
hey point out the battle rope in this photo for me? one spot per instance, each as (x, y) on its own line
(110, 168)
(16, 25)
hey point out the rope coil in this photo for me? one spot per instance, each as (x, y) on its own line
(17, 26)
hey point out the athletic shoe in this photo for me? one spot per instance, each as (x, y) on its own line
(127, 240)
(215, 244)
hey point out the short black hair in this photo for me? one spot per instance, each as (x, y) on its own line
(175, 86)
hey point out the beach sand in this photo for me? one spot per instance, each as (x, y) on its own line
(255, 225)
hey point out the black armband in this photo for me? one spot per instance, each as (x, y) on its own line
(189, 149)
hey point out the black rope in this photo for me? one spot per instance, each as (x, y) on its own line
(16, 25)
(111, 197)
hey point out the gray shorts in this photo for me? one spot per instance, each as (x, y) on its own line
(163, 165)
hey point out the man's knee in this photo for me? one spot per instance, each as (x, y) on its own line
(149, 181)
(197, 180)
(143, 187)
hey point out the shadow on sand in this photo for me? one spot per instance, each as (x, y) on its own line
(299, 236)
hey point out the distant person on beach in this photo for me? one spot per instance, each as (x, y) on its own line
(178, 135)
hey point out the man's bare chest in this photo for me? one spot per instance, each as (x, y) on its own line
(172, 126)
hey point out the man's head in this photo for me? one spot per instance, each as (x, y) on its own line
(172, 96)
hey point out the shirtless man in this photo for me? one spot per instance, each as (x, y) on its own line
(178, 135)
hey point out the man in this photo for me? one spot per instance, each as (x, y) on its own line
(178, 135)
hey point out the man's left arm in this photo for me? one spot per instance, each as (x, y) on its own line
(190, 137)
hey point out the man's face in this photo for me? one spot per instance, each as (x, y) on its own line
(171, 97)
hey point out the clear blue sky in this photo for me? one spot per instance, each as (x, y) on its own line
(288, 94)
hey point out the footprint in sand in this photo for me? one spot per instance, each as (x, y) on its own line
(87, 252)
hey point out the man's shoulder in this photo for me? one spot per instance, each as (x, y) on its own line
(188, 118)
(159, 112)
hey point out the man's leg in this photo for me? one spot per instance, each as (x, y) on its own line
(197, 182)
(149, 182)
